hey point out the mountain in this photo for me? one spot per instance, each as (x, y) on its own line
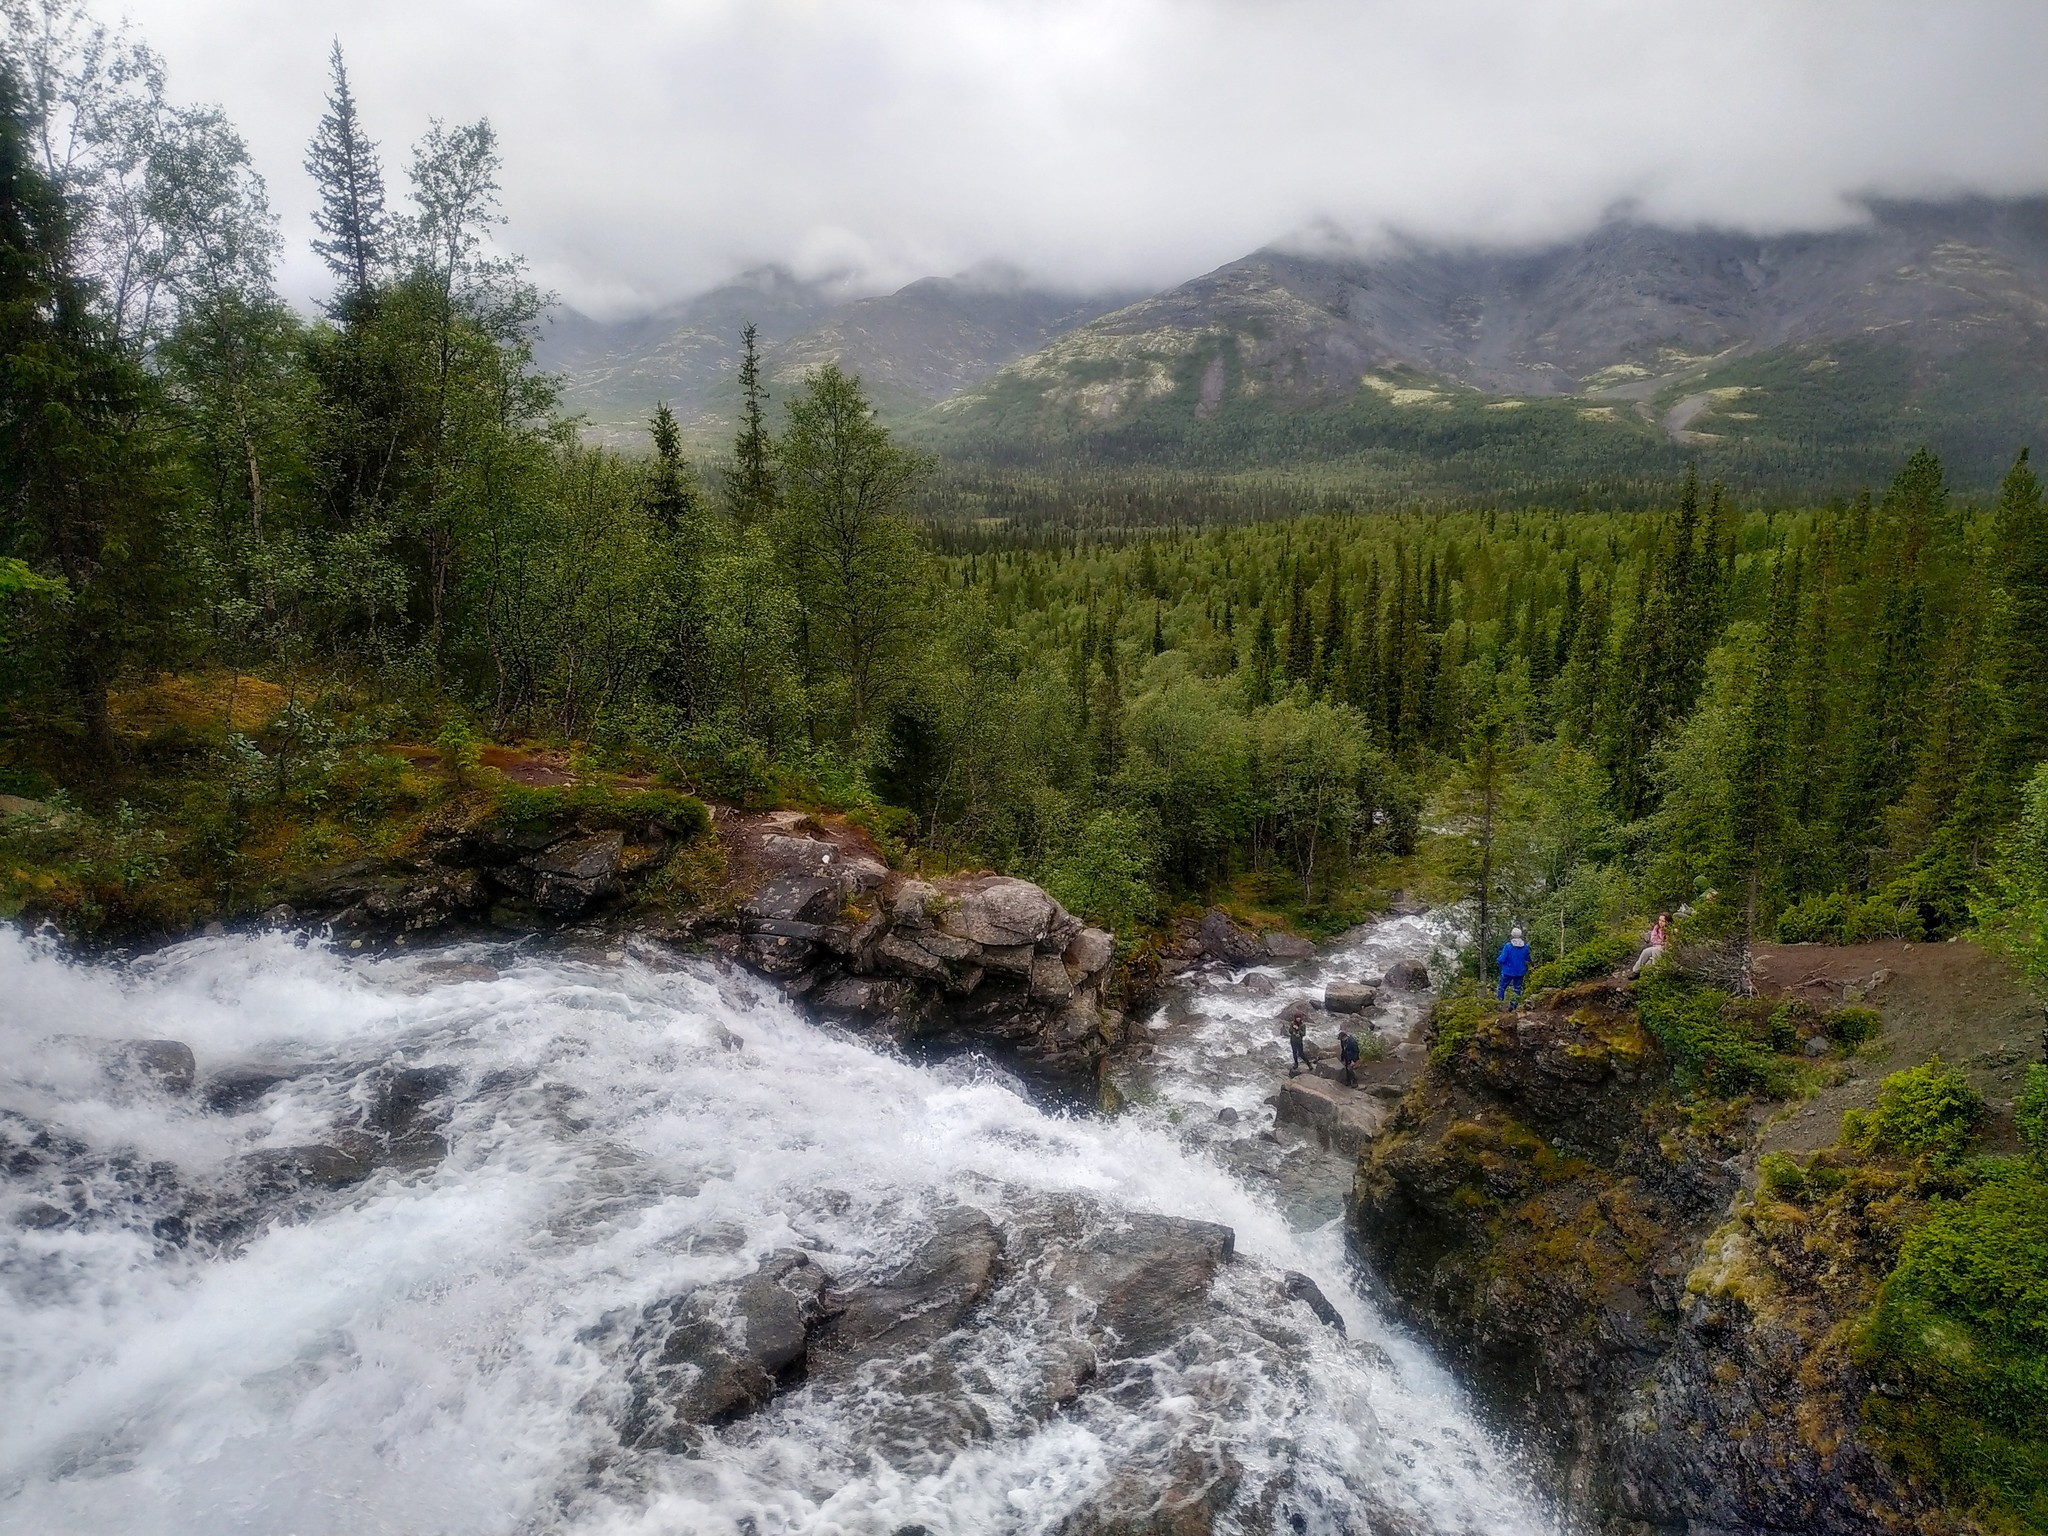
(1800, 361)
(687, 355)
(912, 348)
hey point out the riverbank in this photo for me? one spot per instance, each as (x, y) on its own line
(1633, 1217)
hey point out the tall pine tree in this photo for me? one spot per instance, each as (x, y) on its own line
(355, 231)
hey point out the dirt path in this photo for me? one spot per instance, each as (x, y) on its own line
(1952, 1000)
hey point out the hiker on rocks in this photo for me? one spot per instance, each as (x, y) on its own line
(1347, 1054)
(1513, 966)
(1297, 1042)
(1653, 948)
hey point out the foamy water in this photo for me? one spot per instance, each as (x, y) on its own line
(440, 1351)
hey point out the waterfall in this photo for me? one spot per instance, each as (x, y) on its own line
(195, 1338)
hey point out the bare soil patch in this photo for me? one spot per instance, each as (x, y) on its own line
(1950, 1000)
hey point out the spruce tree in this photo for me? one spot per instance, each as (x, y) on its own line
(78, 500)
(1301, 640)
(2020, 540)
(1329, 672)
(354, 229)
(751, 489)
(1756, 777)
(1265, 661)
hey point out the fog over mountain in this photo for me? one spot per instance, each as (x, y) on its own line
(656, 149)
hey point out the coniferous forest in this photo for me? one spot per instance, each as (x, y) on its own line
(274, 585)
(1827, 717)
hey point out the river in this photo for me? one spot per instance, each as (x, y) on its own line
(436, 1349)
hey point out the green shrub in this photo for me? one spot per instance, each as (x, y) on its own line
(1596, 957)
(1709, 1051)
(1840, 918)
(1781, 1176)
(731, 765)
(1454, 1021)
(1928, 1109)
(1106, 875)
(1786, 1024)
(1959, 1337)
(2030, 1111)
(1852, 1025)
(461, 752)
(1815, 920)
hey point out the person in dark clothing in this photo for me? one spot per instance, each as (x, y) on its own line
(1297, 1039)
(1347, 1053)
(1513, 965)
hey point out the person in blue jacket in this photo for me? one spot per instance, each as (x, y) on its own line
(1513, 965)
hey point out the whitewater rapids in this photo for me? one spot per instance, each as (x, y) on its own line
(433, 1352)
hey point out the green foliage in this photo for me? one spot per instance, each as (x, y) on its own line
(1959, 1336)
(1852, 1025)
(1711, 1052)
(2013, 911)
(1781, 1176)
(1595, 957)
(1105, 876)
(1930, 1109)
(596, 804)
(2030, 1111)
(1784, 1026)
(461, 752)
(1454, 1021)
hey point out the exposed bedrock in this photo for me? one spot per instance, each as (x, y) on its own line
(1557, 1220)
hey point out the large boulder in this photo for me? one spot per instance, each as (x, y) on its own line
(571, 874)
(1000, 910)
(793, 898)
(1222, 940)
(1091, 951)
(1347, 997)
(1287, 946)
(1407, 976)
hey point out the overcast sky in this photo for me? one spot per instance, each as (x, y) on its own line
(655, 147)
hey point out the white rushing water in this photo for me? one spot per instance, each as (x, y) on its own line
(437, 1351)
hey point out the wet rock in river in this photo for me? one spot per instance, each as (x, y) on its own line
(1407, 976)
(281, 1170)
(1348, 997)
(1298, 1287)
(233, 1089)
(1287, 946)
(716, 1354)
(920, 1302)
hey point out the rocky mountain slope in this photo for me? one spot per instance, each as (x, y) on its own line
(919, 345)
(1797, 356)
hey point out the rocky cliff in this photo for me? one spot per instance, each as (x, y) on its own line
(1577, 1221)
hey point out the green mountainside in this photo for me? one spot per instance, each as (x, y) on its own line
(1800, 365)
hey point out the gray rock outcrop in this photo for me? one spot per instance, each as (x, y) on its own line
(963, 960)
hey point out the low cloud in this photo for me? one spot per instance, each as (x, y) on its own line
(654, 147)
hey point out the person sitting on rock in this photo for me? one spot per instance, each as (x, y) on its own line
(1297, 1042)
(1653, 947)
(1513, 965)
(1347, 1054)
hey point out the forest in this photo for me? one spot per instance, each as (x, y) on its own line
(375, 523)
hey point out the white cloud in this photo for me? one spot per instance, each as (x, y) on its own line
(653, 147)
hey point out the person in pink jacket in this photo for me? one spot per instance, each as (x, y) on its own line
(1653, 949)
